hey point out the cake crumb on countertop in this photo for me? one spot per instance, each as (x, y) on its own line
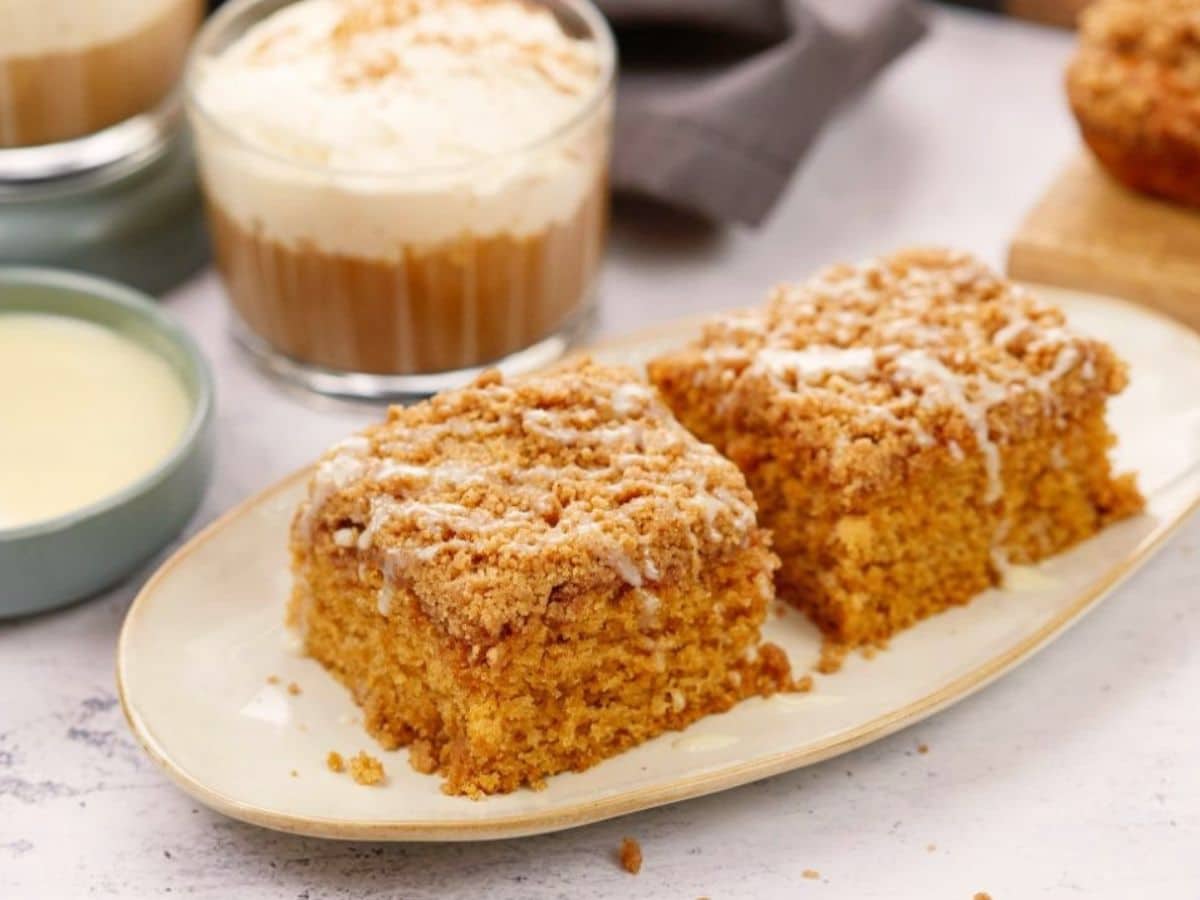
(810, 874)
(982, 895)
(929, 848)
(334, 762)
(366, 769)
(631, 856)
(922, 748)
(295, 774)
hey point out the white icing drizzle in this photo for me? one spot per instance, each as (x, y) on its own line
(543, 423)
(335, 473)
(387, 593)
(899, 325)
(815, 363)
(1010, 332)
(534, 521)
(631, 398)
(651, 605)
(1066, 360)
(951, 387)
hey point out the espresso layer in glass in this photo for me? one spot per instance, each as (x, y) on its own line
(452, 305)
(68, 69)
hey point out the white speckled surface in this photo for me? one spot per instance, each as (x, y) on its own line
(1076, 775)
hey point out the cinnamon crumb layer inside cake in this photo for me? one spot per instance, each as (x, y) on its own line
(521, 578)
(906, 426)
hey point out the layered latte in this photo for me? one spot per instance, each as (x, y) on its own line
(68, 69)
(406, 186)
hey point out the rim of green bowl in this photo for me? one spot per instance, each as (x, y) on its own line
(143, 306)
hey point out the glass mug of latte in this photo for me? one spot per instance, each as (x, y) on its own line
(85, 83)
(401, 192)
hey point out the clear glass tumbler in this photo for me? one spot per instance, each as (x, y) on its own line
(389, 281)
(87, 85)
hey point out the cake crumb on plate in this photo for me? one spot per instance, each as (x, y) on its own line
(366, 769)
(810, 874)
(293, 688)
(334, 762)
(272, 679)
(631, 856)
(833, 654)
(422, 758)
(982, 895)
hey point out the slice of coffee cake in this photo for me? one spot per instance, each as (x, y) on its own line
(523, 578)
(906, 425)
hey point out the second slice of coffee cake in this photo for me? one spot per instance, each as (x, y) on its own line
(906, 425)
(521, 578)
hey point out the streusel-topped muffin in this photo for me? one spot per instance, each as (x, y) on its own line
(523, 578)
(1134, 86)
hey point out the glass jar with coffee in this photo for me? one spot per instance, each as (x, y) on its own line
(403, 191)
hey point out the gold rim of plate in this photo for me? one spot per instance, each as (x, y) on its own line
(684, 788)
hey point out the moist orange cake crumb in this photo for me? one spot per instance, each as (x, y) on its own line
(522, 578)
(631, 856)
(366, 769)
(907, 425)
(334, 762)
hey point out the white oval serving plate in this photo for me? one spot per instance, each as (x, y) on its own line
(206, 632)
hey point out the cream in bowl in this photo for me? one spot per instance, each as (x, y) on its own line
(404, 187)
(84, 412)
(105, 434)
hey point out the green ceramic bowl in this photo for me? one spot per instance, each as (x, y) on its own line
(55, 561)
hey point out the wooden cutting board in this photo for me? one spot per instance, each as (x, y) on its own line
(1088, 232)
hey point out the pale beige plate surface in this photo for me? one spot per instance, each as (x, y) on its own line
(206, 632)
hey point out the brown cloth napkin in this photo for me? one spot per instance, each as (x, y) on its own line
(719, 99)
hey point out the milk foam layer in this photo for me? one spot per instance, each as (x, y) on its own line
(361, 126)
(36, 27)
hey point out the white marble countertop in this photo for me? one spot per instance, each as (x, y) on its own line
(1076, 775)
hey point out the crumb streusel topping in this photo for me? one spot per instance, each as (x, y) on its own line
(1166, 31)
(492, 502)
(1138, 68)
(919, 349)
